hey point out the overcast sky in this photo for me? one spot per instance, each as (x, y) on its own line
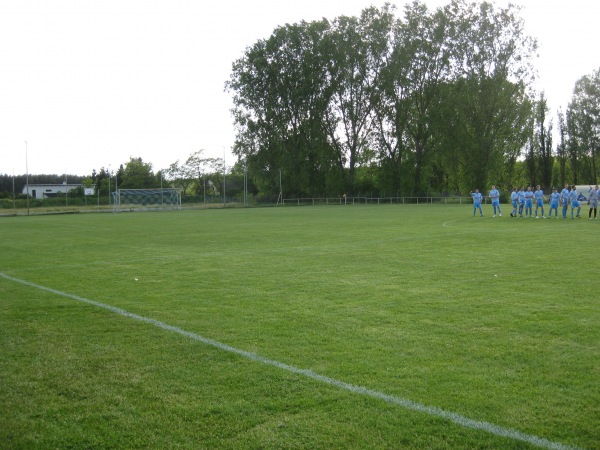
(90, 84)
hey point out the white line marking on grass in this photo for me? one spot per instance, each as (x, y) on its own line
(405, 403)
(450, 223)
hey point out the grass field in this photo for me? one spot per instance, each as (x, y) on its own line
(299, 327)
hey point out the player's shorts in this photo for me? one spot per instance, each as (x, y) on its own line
(540, 202)
(575, 204)
(515, 204)
(528, 203)
(593, 203)
(554, 205)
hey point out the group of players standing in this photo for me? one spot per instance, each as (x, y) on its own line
(524, 200)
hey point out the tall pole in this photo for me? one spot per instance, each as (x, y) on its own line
(246, 182)
(109, 202)
(117, 199)
(280, 198)
(14, 198)
(27, 177)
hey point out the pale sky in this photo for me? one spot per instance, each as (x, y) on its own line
(90, 84)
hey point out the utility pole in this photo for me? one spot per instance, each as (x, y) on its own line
(27, 177)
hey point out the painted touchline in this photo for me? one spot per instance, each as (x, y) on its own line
(405, 403)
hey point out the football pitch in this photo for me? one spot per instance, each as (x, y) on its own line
(397, 326)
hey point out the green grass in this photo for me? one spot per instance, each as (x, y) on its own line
(493, 319)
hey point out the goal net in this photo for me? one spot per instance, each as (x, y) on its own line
(145, 199)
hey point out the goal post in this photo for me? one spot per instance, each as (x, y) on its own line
(147, 199)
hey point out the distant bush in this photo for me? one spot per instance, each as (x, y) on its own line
(6, 203)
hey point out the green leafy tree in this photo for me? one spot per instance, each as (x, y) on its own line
(421, 65)
(198, 167)
(280, 95)
(88, 182)
(561, 148)
(101, 181)
(583, 123)
(136, 174)
(575, 146)
(214, 176)
(179, 176)
(358, 52)
(542, 144)
(7, 182)
(436, 100)
(492, 65)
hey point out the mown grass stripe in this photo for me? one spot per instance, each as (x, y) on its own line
(404, 403)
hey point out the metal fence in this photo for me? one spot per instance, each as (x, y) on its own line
(302, 201)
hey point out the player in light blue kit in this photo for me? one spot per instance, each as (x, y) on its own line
(528, 202)
(521, 195)
(564, 200)
(554, 200)
(495, 196)
(539, 201)
(593, 200)
(477, 197)
(514, 198)
(574, 201)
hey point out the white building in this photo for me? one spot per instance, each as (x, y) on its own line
(42, 191)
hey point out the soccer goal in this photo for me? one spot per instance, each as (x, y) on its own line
(146, 199)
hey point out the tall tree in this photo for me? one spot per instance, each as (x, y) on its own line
(408, 93)
(358, 48)
(422, 42)
(583, 122)
(197, 167)
(542, 141)
(561, 148)
(136, 175)
(281, 92)
(575, 147)
(491, 64)
(436, 99)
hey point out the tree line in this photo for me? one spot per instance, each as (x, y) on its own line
(197, 176)
(432, 101)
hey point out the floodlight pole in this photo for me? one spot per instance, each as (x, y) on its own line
(280, 198)
(27, 177)
(109, 202)
(246, 183)
(14, 198)
(117, 199)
